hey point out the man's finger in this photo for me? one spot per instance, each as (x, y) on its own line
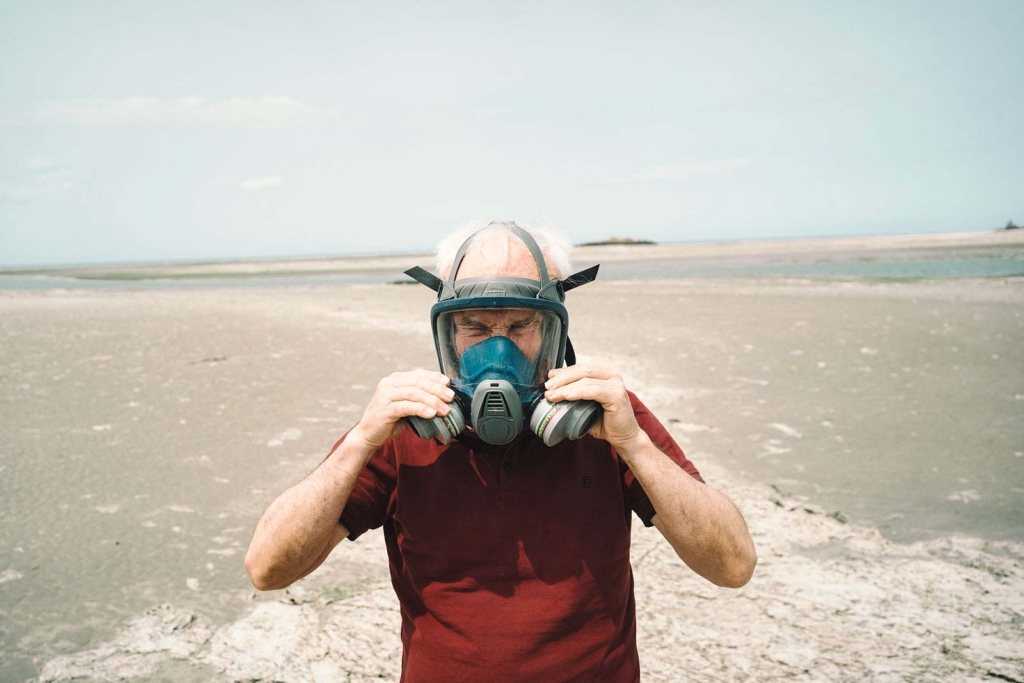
(413, 376)
(563, 376)
(435, 387)
(605, 391)
(411, 393)
(400, 409)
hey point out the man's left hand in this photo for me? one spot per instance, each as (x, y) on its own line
(618, 425)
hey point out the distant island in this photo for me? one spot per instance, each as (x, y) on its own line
(1011, 226)
(616, 240)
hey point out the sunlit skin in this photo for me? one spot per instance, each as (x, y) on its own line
(480, 264)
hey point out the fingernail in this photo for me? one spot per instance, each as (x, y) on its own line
(449, 394)
(547, 384)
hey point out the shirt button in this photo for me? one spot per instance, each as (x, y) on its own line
(507, 466)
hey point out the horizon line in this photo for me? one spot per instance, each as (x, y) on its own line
(15, 269)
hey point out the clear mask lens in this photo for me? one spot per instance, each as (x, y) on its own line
(518, 345)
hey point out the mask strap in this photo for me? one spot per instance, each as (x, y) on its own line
(570, 353)
(525, 237)
(556, 289)
(531, 244)
(581, 278)
(424, 277)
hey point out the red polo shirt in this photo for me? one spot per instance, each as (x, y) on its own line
(510, 563)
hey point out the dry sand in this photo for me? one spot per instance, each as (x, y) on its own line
(144, 432)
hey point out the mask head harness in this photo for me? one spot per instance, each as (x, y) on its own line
(497, 337)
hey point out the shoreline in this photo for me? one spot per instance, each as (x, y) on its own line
(608, 253)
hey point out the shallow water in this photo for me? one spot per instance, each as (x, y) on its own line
(882, 268)
(57, 282)
(883, 265)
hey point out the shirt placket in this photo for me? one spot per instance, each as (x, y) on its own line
(509, 477)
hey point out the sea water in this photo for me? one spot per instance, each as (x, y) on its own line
(896, 267)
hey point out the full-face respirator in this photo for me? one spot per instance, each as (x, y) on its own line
(496, 339)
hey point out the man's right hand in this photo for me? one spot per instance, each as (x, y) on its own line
(401, 394)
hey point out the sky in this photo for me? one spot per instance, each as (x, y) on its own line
(145, 131)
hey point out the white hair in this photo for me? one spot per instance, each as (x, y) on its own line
(493, 240)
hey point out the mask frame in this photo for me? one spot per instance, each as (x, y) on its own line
(502, 292)
(507, 291)
(439, 309)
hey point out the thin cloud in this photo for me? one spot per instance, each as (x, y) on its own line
(678, 172)
(45, 179)
(33, 189)
(263, 112)
(42, 164)
(257, 184)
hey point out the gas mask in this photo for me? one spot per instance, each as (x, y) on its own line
(496, 339)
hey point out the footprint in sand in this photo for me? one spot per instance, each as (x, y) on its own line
(967, 496)
(787, 430)
(291, 434)
(10, 575)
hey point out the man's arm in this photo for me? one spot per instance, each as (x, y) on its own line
(702, 525)
(301, 528)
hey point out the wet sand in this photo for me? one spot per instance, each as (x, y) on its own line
(870, 432)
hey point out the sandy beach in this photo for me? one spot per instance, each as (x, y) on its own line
(871, 431)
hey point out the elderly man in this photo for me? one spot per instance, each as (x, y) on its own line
(508, 544)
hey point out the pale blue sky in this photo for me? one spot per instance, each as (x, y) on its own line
(150, 131)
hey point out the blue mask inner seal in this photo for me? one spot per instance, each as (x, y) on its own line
(497, 358)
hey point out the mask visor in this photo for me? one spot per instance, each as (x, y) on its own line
(517, 345)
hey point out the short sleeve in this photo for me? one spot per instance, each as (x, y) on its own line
(368, 504)
(634, 493)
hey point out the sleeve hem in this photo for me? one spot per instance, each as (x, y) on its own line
(355, 530)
